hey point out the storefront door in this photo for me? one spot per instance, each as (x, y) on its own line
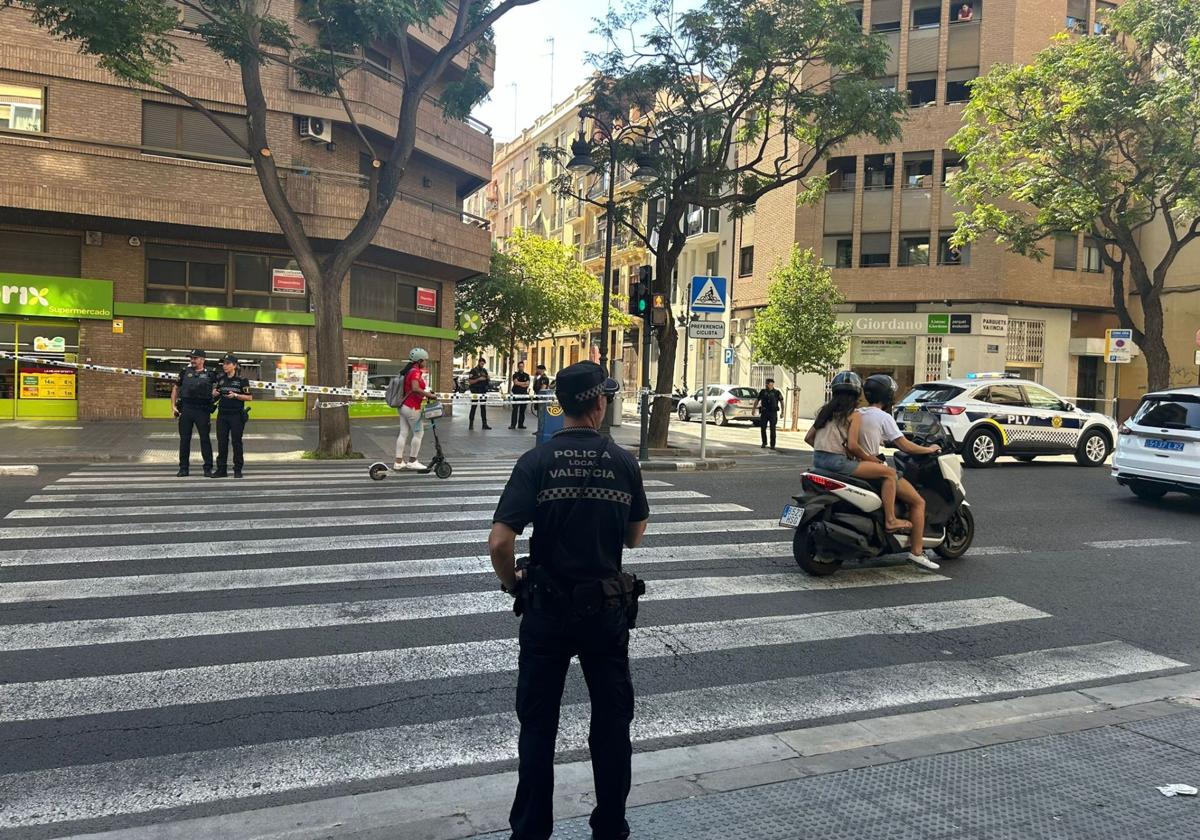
(31, 391)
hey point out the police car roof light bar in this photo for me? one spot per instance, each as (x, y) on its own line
(996, 374)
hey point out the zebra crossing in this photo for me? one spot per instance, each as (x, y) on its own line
(179, 646)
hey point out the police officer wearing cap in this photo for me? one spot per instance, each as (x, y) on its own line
(233, 392)
(584, 497)
(192, 402)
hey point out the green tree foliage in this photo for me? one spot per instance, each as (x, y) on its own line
(132, 40)
(798, 330)
(738, 98)
(535, 289)
(1097, 134)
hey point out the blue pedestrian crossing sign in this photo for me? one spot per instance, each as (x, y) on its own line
(708, 293)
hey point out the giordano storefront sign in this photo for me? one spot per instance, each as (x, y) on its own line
(55, 297)
(927, 323)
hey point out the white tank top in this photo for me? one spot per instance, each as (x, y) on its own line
(832, 437)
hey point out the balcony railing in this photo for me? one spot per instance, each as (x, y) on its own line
(574, 210)
(593, 250)
(599, 188)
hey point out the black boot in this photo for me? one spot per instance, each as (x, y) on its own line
(237, 473)
(220, 472)
(208, 472)
(183, 471)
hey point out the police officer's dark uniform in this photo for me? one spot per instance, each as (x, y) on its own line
(541, 386)
(479, 393)
(581, 492)
(194, 405)
(519, 391)
(232, 415)
(769, 400)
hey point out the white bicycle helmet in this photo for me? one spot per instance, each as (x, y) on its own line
(417, 354)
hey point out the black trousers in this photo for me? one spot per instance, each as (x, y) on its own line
(230, 425)
(197, 416)
(764, 421)
(478, 401)
(519, 407)
(548, 641)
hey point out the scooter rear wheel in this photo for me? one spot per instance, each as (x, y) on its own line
(960, 533)
(378, 471)
(806, 557)
(443, 469)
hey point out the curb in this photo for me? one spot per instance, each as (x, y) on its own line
(472, 806)
(710, 464)
(19, 469)
(153, 460)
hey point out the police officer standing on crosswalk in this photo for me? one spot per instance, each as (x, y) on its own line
(192, 403)
(233, 392)
(585, 498)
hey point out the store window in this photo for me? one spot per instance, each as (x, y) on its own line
(29, 389)
(1064, 251)
(746, 261)
(22, 108)
(876, 250)
(8, 367)
(914, 250)
(838, 251)
(1093, 261)
(169, 129)
(283, 368)
(384, 295)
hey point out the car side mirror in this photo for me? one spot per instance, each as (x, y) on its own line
(1069, 407)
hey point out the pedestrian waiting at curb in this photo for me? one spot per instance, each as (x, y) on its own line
(232, 392)
(518, 389)
(478, 383)
(192, 403)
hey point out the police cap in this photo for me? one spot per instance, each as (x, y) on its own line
(198, 354)
(229, 357)
(581, 383)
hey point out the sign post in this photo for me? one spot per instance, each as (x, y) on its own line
(709, 294)
(1118, 346)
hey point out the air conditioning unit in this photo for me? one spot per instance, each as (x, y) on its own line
(316, 130)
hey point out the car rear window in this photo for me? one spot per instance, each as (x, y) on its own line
(931, 394)
(1171, 411)
(744, 393)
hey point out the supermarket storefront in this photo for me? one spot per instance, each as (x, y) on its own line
(41, 316)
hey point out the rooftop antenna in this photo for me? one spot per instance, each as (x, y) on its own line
(550, 41)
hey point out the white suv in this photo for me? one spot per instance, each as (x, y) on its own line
(1158, 449)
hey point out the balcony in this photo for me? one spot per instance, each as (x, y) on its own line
(599, 189)
(593, 250)
(574, 210)
(703, 222)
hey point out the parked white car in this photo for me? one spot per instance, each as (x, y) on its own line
(1158, 449)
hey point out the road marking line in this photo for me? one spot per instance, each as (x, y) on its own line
(140, 628)
(307, 523)
(251, 474)
(325, 544)
(273, 505)
(1144, 543)
(256, 489)
(180, 780)
(160, 689)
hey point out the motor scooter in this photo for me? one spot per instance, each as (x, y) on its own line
(839, 517)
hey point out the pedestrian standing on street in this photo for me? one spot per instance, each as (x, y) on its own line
(192, 403)
(767, 404)
(585, 500)
(414, 391)
(233, 392)
(478, 383)
(518, 389)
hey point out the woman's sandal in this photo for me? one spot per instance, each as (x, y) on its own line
(902, 526)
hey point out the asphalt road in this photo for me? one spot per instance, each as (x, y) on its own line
(174, 647)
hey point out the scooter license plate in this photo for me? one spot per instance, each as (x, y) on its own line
(791, 516)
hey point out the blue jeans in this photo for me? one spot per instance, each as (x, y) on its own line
(834, 462)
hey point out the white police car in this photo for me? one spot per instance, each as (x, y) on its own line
(989, 415)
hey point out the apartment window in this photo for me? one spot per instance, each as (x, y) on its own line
(857, 10)
(837, 252)
(885, 16)
(887, 83)
(377, 63)
(746, 261)
(1093, 261)
(189, 133)
(950, 255)
(914, 250)
(22, 108)
(1103, 10)
(952, 166)
(1077, 11)
(965, 12)
(1064, 251)
(926, 15)
(958, 83)
(918, 170)
(40, 253)
(876, 250)
(842, 172)
(880, 171)
(385, 295)
(922, 89)
(193, 276)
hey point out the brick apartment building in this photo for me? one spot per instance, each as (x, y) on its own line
(917, 308)
(132, 230)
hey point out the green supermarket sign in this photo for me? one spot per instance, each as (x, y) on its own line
(55, 297)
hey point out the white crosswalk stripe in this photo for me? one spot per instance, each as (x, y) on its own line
(243, 604)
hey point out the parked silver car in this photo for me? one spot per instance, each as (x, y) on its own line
(725, 403)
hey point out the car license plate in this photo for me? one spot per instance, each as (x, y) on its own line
(791, 516)
(1164, 445)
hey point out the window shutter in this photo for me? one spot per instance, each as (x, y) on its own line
(200, 135)
(40, 253)
(923, 51)
(963, 49)
(160, 125)
(877, 211)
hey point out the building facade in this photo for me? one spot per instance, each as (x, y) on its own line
(132, 229)
(917, 308)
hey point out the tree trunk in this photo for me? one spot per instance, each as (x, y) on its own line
(1158, 360)
(333, 423)
(795, 401)
(660, 417)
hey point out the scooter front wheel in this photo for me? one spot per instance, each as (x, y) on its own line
(960, 533)
(807, 559)
(443, 469)
(378, 471)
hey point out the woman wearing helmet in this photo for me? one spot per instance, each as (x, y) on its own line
(415, 391)
(830, 437)
(874, 428)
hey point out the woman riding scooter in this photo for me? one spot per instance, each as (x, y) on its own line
(877, 427)
(836, 425)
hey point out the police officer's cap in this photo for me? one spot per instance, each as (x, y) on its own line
(229, 357)
(198, 354)
(582, 382)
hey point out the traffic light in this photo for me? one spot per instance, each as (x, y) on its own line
(658, 306)
(639, 293)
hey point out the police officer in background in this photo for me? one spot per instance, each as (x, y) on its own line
(192, 403)
(584, 496)
(233, 391)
